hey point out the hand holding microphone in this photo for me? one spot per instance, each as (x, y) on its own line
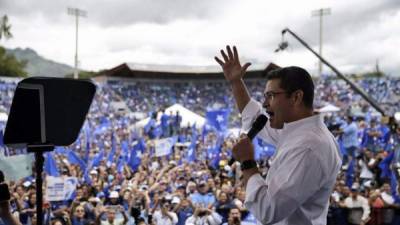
(256, 127)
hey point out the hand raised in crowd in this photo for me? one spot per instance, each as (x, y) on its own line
(233, 70)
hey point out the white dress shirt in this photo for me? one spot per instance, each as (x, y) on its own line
(359, 202)
(159, 219)
(387, 198)
(212, 219)
(302, 173)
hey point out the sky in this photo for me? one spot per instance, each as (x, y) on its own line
(356, 35)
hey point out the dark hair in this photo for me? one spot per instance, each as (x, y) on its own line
(294, 78)
(351, 118)
(234, 207)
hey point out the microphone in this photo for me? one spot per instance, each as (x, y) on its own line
(256, 127)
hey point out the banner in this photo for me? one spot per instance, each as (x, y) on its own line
(164, 146)
(60, 188)
(16, 167)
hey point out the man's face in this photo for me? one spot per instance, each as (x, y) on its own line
(203, 189)
(166, 205)
(354, 194)
(234, 213)
(276, 103)
(111, 214)
(223, 198)
(79, 212)
(386, 188)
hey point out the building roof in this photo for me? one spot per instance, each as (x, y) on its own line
(150, 71)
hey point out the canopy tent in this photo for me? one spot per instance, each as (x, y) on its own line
(188, 117)
(328, 108)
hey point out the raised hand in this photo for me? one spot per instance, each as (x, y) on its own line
(230, 64)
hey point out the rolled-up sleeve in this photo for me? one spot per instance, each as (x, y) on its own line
(249, 114)
(273, 201)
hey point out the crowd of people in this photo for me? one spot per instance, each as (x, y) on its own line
(121, 180)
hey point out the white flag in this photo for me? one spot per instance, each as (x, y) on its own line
(164, 146)
(16, 167)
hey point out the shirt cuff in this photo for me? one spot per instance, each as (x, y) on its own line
(252, 187)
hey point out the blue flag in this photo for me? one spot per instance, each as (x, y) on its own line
(191, 156)
(141, 145)
(263, 149)
(120, 165)
(111, 154)
(350, 173)
(384, 165)
(87, 146)
(50, 165)
(124, 148)
(218, 119)
(73, 158)
(257, 149)
(98, 158)
(135, 160)
(86, 176)
(214, 152)
(60, 150)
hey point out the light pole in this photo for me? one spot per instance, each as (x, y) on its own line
(320, 13)
(77, 13)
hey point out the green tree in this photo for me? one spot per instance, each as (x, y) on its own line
(10, 66)
(5, 28)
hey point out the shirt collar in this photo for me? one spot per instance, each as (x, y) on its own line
(313, 120)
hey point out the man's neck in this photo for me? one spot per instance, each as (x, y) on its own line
(301, 114)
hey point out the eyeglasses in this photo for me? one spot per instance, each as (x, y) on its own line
(269, 95)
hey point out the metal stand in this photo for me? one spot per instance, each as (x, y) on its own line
(39, 162)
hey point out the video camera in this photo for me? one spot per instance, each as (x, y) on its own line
(4, 191)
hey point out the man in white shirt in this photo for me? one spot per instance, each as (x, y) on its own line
(304, 169)
(388, 199)
(386, 195)
(204, 216)
(111, 216)
(360, 210)
(165, 216)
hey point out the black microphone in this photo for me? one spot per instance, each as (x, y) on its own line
(256, 127)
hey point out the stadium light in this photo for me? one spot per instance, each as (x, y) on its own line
(320, 13)
(77, 13)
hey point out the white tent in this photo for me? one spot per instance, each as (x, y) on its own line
(188, 117)
(3, 117)
(328, 108)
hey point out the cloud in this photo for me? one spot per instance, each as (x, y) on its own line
(117, 13)
(188, 32)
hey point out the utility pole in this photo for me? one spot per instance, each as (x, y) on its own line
(320, 13)
(77, 13)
